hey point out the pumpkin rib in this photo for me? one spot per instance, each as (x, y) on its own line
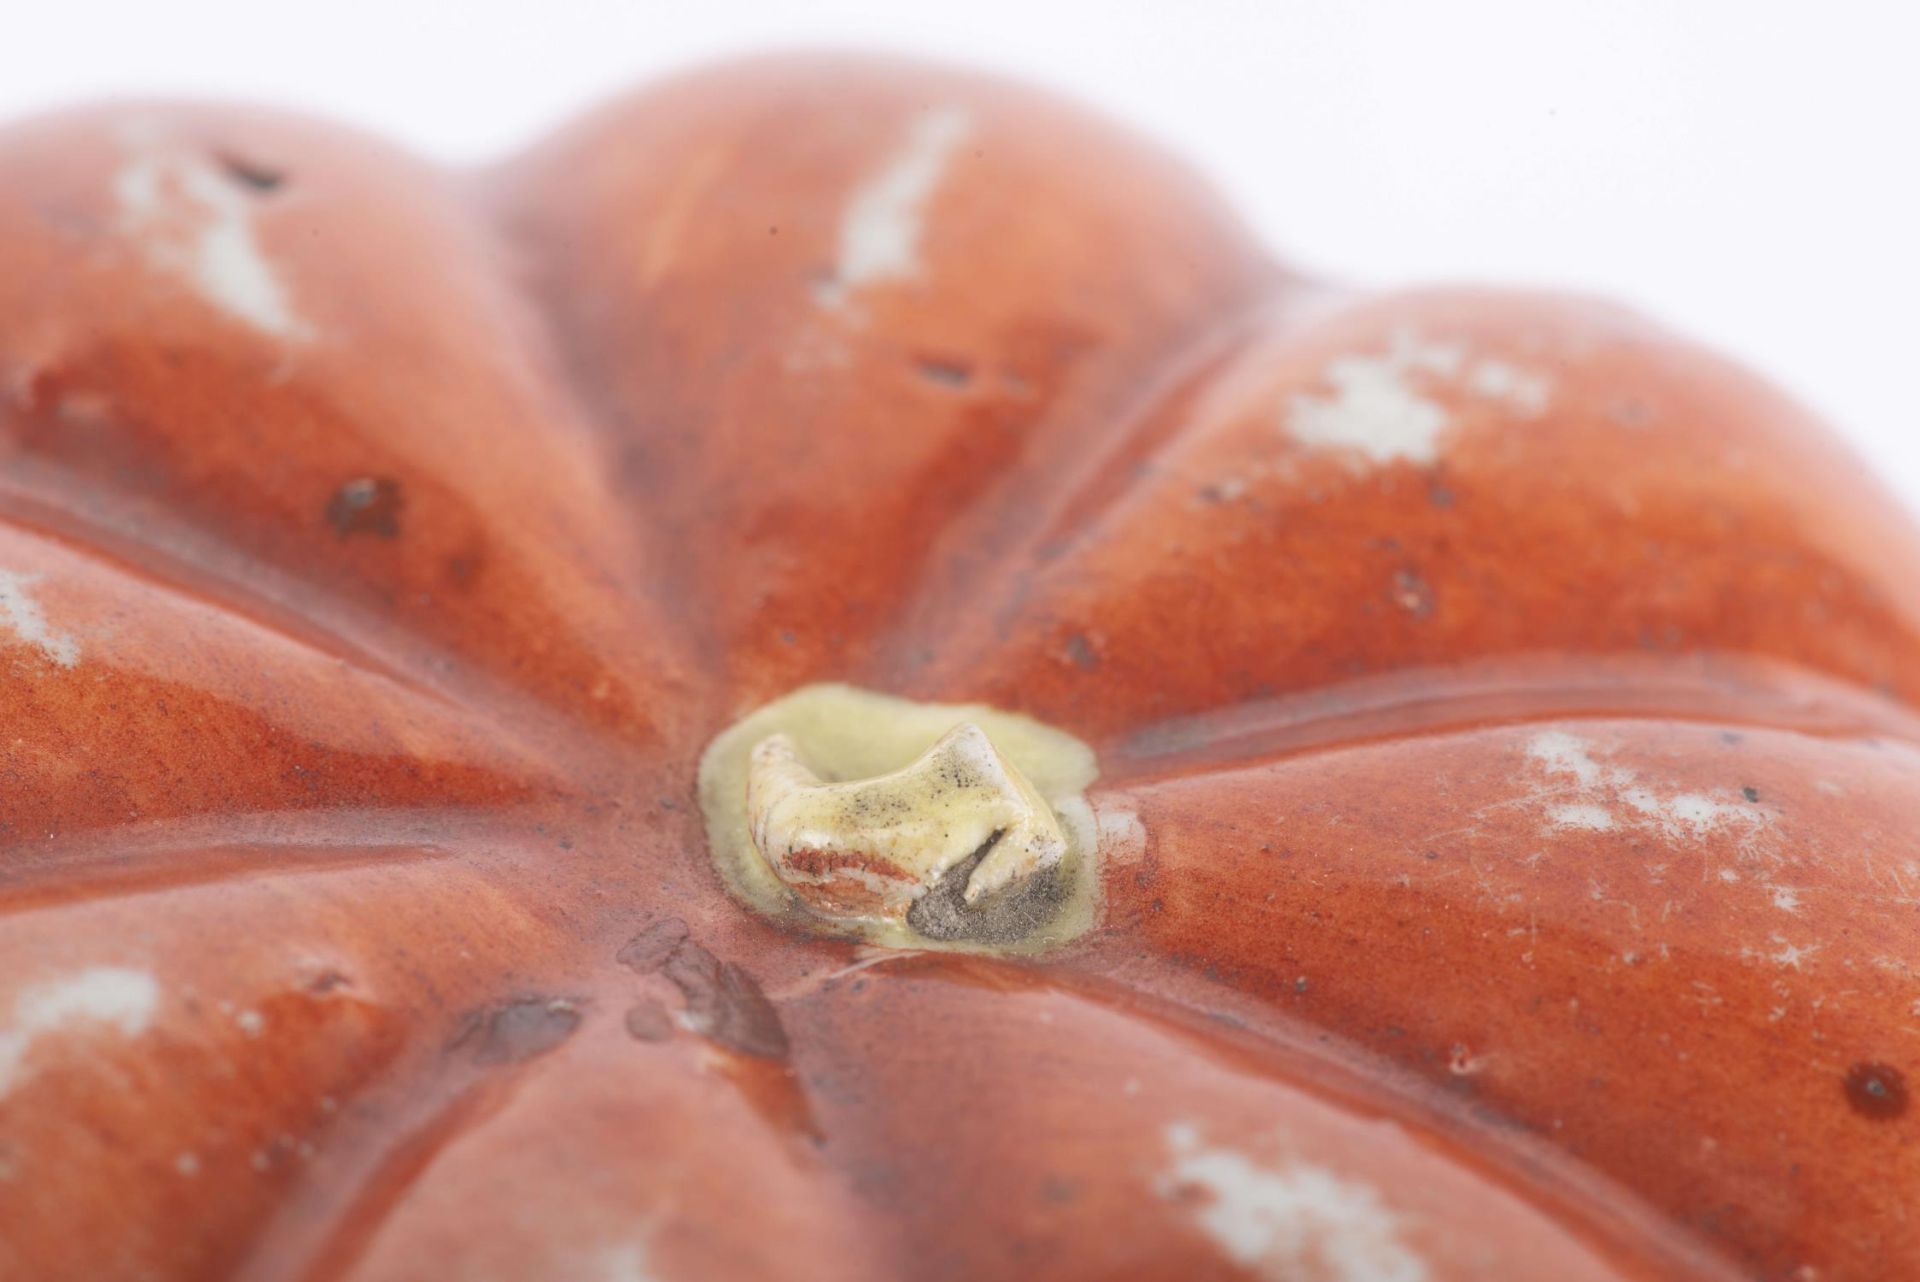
(200, 572)
(1607, 1217)
(169, 855)
(706, 1134)
(357, 1254)
(182, 564)
(1575, 879)
(1008, 531)
(1719, 688)
(765, 430)
(323, 1230)
(1519, 438)
(401, 447)
(195, 1057)
(132, 703)
(1065, 1159)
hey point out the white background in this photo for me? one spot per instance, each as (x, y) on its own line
(1749, 172)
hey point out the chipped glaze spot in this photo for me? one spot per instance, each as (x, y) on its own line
(251, 1022)
(1122, 837)
(192, 221)
(1294, 1221)
(881, 227)
(114, 997)
(1462, 1062)
(1379, 413)
(21, 615)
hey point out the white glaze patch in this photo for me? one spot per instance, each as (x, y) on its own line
(1374, 410)
(1380, 411)
(1524, 391)
(1562, 753)
(1295, 1221)
(1606, 797)
(1123, 838)
(1785, 955)
(21, 615)
(1592, 818)
(113, 996)
(623, 1264)
(881, 226)
(192, 221)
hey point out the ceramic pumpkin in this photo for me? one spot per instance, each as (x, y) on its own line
(830, 675)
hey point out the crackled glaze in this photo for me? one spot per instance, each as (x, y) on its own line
(1507, 771)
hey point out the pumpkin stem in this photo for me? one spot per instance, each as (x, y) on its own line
(873, 847)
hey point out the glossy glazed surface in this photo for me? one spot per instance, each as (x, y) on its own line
(1508, 785)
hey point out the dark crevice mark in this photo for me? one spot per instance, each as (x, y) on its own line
(462, 569)
(1630, 411)
(366, 505)
(948, 373)
(250, 174)
(723, 1002)
(648, 951)
(1061, 1190)
(1081, 654)
(1878, 1091)
(649, 1021)
(518, 1031)
(1214, 493)
(328, 980)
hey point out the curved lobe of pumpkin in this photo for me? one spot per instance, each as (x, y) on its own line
(616, 1156)
(1444, 477)
(1007, 1127)
(838, 307)
(277, 353)
(172, 1072)
(1682, 953)
(1718, 688)
(128, 704)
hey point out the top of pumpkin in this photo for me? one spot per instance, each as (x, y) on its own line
(1501, 708)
